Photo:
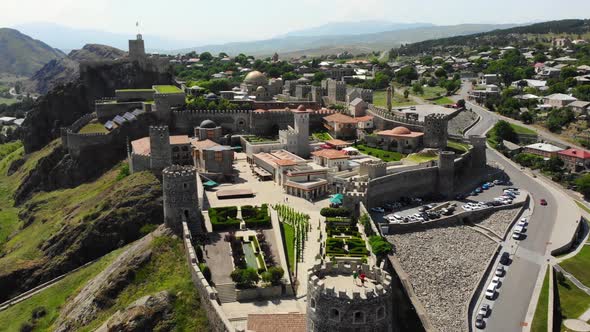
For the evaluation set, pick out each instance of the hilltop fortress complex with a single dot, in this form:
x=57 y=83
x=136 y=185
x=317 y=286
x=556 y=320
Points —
x=184 y=147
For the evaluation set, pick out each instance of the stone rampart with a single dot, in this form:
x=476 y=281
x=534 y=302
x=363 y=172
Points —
x=81 y=122
x=383 y=120
x=234 y=121
x=218 y=321
x=418 y=183
x=108 y=110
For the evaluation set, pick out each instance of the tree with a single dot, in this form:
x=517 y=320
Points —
x=440 y=73
x=406 y=94
x=245 y=278
x=417 y=89
x=461 y=103
x=504 y=131
x=205 y=56
x=583 y=184
x=526 y=117
x=406 y=75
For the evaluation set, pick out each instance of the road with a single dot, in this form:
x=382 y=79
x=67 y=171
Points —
x=510 y=308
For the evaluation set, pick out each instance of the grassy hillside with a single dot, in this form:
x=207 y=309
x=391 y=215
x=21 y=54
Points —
x=167 y=270
x=23 y=55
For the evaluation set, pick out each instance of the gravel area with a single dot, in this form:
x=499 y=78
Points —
x=499 y=221
x=444 y=266
x=461 y=121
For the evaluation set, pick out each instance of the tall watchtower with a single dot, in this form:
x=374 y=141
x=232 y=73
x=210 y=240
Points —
x=181 y=198
x=160 y=152
x=435 y=131
x=446 y=173
x=302 y=129
x=137 y=48
x=478 y=154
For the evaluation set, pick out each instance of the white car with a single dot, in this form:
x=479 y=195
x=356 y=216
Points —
x=519 y=229
x=522 y=223
x=397 y=216
x=516 y=236
x=496 y=281
x=467 y=207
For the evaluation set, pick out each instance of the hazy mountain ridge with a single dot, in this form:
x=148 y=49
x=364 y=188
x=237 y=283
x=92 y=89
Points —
x=23 y=55
x=374 y=41
x=355 y=28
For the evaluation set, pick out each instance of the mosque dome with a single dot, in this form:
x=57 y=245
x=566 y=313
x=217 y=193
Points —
x=256 y=78
x=211 y=96
x=208 y=124
x=301 y=108
x=401 y=131
x=260 y=89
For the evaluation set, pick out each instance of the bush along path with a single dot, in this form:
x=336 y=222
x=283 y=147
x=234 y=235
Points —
x=300 y=224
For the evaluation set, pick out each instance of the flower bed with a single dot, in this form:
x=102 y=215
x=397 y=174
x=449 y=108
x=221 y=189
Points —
x=255 y=216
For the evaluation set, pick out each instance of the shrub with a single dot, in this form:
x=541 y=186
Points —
x=123 y=171
x=256 y=216
x=39 y=312
x=27 y=327
x=224 y=218
x=276 y=273
x=206 y=271
x=334 y=212
x=379 y=245
x=245 y=278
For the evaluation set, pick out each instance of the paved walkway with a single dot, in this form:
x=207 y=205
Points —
x=219 y=258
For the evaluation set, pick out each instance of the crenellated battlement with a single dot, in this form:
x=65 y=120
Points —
x=385 y=114
x=178 y=172
x=207 y=112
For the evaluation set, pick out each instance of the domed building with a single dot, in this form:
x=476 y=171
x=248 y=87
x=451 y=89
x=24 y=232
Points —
x=400 y=139
x=257 y=85
x=208 y=130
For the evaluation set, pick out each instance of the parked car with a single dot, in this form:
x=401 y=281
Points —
x=490 y=292
x=422 y=209
x=378 y=209
x=516 y=235
x=543 y=202
x=478 y=190
x=519 y=229
x=500 y=271
x=522 y=222
x=505 y=258
x=496 y=280
x=484 y=310
x=479 y=322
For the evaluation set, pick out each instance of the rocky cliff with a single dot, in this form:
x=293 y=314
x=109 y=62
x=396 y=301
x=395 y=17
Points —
x=66 y=70
x=66 y=103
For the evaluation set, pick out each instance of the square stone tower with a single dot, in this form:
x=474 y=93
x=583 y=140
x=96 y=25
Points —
x=137 y=49
x=160 y=152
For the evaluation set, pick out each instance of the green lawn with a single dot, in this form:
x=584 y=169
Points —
x=540 y=319
x=289 y=234
x=93 y=128
x=421 y=158
x=579 y=265
x=322 y=136
x=52 y=298
x=430 y=92
x=522 y=130
x=583 y=206
x=8 y=101
x=135 y=90
x=443 y=101
x=167 y=89
x=459 y=146
x=573 y=301
x=380 y=99
x=9 y=221
x=381 y=154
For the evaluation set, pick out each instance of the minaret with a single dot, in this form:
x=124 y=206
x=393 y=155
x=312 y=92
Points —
x=389 y=97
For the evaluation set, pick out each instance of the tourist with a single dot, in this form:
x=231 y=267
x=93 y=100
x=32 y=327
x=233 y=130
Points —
x=354 y=276
x=363 y=276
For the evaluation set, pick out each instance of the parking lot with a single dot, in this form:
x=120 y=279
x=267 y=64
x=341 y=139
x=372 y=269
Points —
x=413 y=209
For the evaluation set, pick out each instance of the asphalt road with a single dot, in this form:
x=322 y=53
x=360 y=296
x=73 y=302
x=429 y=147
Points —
x=510 y=307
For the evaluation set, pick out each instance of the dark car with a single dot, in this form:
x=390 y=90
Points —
x=479 y=322
x=543 y=202
x=505 y=258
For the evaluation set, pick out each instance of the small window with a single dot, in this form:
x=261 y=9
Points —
x=380 y=313
x=335 y=315
x=185 y=185
x=313 y=303
x=359 y=317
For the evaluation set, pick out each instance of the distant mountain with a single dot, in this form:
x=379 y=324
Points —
x=502 y=37
x=66 y=70
x=23 y=55
x=67 y=39
x=355 y=28
x=326 y=44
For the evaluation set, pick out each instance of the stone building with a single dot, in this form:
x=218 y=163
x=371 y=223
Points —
x=257 y=84
x=209 y=130
x=137 y=49
x=159 y=150
x=335 y=90
x=436 y=131
x=399 y=139
x=213 y=160
x=181 y=198
x=336 y=303
x=296 y=139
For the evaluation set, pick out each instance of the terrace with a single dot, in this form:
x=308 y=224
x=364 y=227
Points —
x=167 y=89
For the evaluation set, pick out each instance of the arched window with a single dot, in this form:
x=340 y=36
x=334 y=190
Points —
x=359 y=317
x=380 y=313
x=312 y=303
x=335 y=314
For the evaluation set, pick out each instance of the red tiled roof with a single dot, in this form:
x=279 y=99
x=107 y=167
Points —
x=400 y=132
x=330 y=154
x=576 y=153
x=337 y=142
x=284 y=162
x=204 y=144
x=291 y=322
x=179 y=139
x=141 y=146
x=340 y=118
x=364 y=118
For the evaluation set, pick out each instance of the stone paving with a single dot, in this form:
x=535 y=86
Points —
x=444 y=266
x=461 y=121
x=499 y=221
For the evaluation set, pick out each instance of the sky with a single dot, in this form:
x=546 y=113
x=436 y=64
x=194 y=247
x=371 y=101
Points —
x=207 y=21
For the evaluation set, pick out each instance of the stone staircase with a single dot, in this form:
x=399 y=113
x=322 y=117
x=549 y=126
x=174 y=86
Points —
x=226 y=293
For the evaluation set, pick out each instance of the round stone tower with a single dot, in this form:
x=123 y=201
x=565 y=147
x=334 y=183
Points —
x=335 y=303
x=160 y=152
x=181 y=198
x=435 y=131
x=478 y=153
x=446 y=173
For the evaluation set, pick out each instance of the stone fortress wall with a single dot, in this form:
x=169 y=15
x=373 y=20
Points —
x=106 y=110
x=350 y=308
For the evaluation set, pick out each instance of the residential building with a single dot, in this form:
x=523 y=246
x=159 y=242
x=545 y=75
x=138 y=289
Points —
x=558 y=100
x=575 y=160
x=335 y=160
x=579 y=106
x=544 y=150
